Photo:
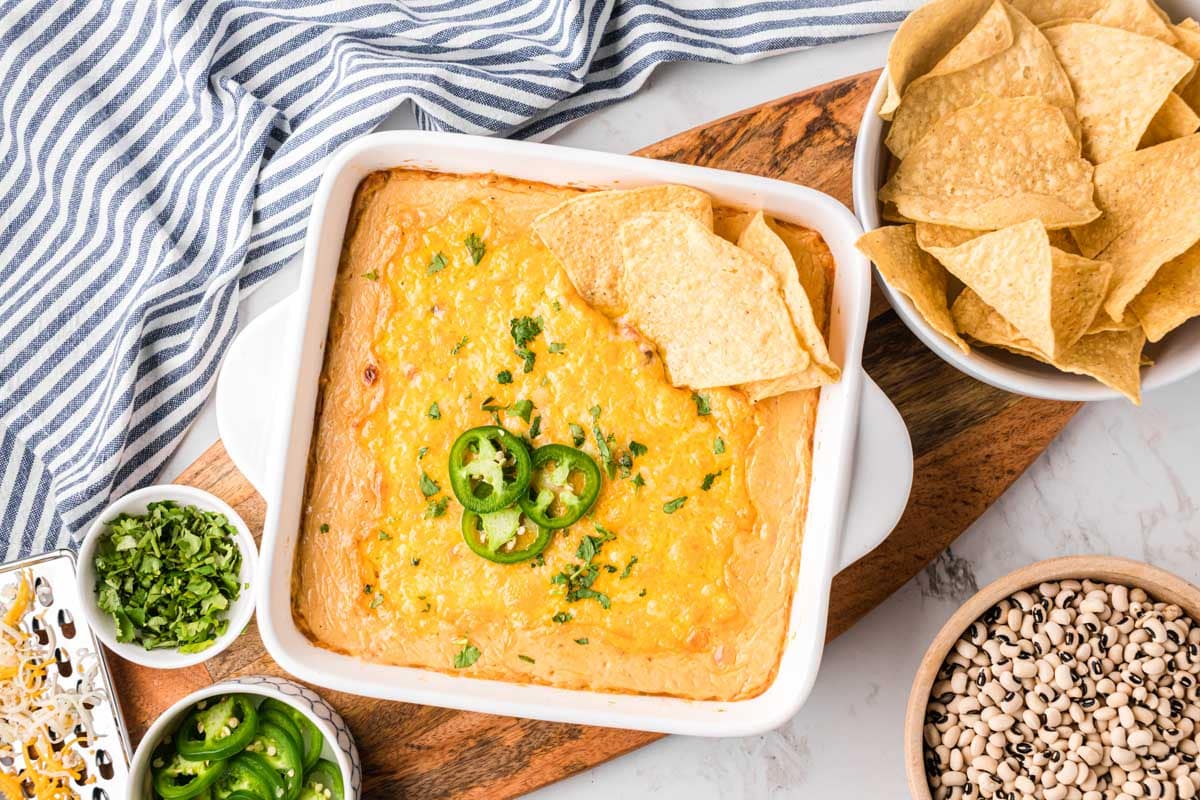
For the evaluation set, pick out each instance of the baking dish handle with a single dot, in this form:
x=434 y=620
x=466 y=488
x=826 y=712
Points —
x=248 y=392
x=883 y=472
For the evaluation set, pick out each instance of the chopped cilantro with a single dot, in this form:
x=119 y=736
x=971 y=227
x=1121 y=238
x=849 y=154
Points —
x=535 y=430
x=460 y=345
x=467 y=656
x=368 y=588
x=638 y=449
x=563 y=616
x=702 y=407
x=524 y=329
x=168 y=576
x=719 y=445
x=642 y=593
x=602 y=443
x=581 y=641
x=595 y=412
x=526 y=659
x=709 y=478
x=377 y=600
x=503 y=376
x=436 y=508
x=557 y=347
x=434 y=411
x=475 y=248
x=577 y=434
x=371 y=276
x=625 y=462
x=384 y=536
x=609 y=568
x=324 y=527
x=674 y=505
x=629 y=567
x=422 y=452
x=489 y=404
x=429 y=487
x=522 y=409
x=437 y=264
x=557 y=306
x=529 y=357
x=416 y=562
x=638 y=481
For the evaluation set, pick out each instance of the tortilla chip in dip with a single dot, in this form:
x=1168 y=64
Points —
x=914 y=273
x=582 y=234
x=923 y=39
x=1172 y=297
x=1151 y=213
x=760 y=241
x=1115 y=112
x=1051 y=297
x=1027 y=68
x=1136 y=16
x=995 y=164
x=1113 y=357
x=1174 y=120
x=734 y=327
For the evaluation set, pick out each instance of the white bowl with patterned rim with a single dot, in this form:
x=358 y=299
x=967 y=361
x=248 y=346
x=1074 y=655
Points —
x=339 y=742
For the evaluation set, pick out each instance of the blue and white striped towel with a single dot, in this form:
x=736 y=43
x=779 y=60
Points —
x=159 y=156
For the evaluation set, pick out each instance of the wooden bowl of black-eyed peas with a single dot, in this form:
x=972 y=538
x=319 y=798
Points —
x=1071 y=679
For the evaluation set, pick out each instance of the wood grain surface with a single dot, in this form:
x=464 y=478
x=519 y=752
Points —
x=970 y=442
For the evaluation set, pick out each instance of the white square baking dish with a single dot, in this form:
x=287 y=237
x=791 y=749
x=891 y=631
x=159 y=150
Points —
x=267 y=394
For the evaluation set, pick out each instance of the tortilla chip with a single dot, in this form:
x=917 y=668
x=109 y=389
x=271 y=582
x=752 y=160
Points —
x=1041 y=12
x=728 y=223
x=923 y=39
x=914 y=273
x=762 y=242
x=992 y=34
x=582 y=234
x=1174 y=120
x=1051 y=297
x=814 y=264
x=1136 y=16
x=1027 y=68
x=891 y=214
x=1172 y=297
x=930 y=235
x=995 y=164
x=715 y=312
x=1114 y=357
x=1151 y=213
x=1120 y=79
x=1103 y=322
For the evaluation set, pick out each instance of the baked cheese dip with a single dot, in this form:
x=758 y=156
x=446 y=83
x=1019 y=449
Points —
x=564 y=437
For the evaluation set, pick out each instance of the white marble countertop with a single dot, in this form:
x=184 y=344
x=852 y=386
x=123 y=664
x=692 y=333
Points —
x=1119 y=480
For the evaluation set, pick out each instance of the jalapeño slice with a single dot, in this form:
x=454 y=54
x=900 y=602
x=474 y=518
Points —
x=176 y=778
x=489 y=469
x=565 y=483
x=505 y=536
x=250 y=774
x=277 y=747
x=217 y=730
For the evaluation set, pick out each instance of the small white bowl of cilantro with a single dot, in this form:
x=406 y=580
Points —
x=165 y=574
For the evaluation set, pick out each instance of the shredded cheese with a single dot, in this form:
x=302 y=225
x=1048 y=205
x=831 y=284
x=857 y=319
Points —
x=35 y=710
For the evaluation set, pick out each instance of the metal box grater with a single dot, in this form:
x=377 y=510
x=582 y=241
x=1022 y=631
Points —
x=57 y=603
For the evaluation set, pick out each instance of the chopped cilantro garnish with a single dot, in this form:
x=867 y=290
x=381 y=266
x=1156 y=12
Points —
x=709 y=478
x=535 y=430
x=368 y=588
x=503 y=376
x=595 y=412
x=674 y=505
x=522 y=409
x=629 y=567
x=436 y=508
x=421 y=452
x=557 y=347
x=429 y=487
x=529 y=357
x=377 y=600
x=489 y=404
x=702 y=407
x=625 y=462
x=577 y=434
x=563 y=616
x=460 y=345
x=642 y=593
x=475 y=247
x=638 y=481
x=416 y=562
x=371 y=276
x=524 y=329
x=719 y=445
x=384 y=536
x=526 y=659
x=603 y=444
x=434 y=411
x=168 y=576
x=437 y=264
x=467 y=656
x=324 y=527
x=638 y=449
x=581 y=641
x=609 y=568
x=557 y=306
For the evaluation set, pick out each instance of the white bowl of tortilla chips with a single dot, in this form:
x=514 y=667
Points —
x=1028 y=174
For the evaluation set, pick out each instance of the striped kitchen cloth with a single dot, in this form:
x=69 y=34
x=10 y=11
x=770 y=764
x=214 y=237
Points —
x=159 y=157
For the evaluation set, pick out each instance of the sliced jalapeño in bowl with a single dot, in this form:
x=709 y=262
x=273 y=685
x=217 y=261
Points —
x=506 y=536
x=490 y=469
x=217 y=731
x=565 y=484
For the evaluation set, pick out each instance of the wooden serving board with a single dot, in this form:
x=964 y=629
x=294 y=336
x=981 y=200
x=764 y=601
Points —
x=970 y=442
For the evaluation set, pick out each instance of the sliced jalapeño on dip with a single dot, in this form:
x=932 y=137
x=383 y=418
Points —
x=489 y=469
x=565 y=484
